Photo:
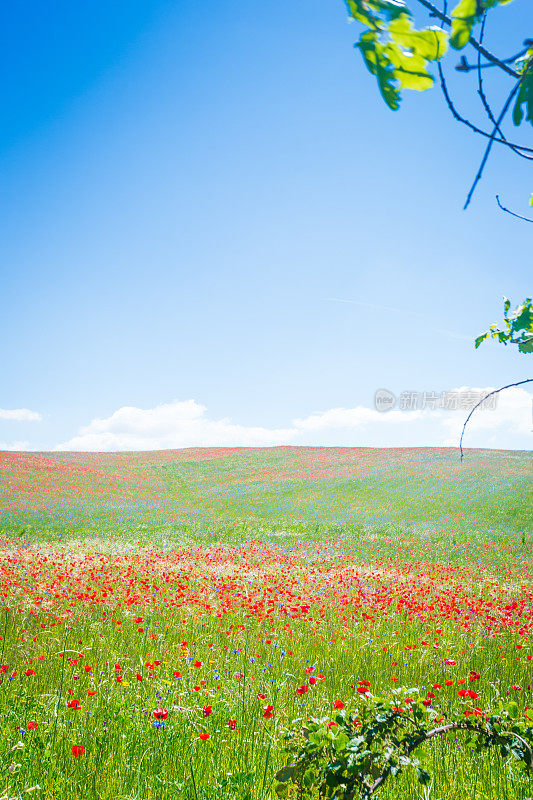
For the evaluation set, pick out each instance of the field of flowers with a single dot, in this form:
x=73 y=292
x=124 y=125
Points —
x=161 y=628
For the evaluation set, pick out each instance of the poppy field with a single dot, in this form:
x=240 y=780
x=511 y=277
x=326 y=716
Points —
x=167 y=618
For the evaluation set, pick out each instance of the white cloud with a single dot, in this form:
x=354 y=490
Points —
x=185 y=424
x=20 y=415
x=172 y=425
x=14 y=446
x=512 y=416
x=354 y=418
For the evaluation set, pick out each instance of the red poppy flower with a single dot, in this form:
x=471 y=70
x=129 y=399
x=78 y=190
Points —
x=29 y=672
x=338 y=704
x=74 y=704
x=232 y=723
x=207 y=710
x=268 y=711
x=32 y=725
x=77 y=750
x=204 y=736
x=160 y=713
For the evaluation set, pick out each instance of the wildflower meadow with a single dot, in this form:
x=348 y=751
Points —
x=196 y=624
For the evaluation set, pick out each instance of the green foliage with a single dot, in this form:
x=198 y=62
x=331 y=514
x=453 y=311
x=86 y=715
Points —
x=356 y=752
x=525 y=93
x=393 y=50
x=399 y=54
x=467 y=14
x=518 y=327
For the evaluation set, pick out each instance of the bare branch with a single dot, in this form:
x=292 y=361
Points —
x=467 y=122
x=486 y=154
x=481 y=93
x=512 y=213
x=508 y=386
x=464 y=66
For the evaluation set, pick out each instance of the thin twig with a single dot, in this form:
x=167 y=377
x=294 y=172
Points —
x=495 y=391
x=488 y=148
x=481 y=93
x=484 y=52
x=512 y=213
x=467 y=122
x=464 y=66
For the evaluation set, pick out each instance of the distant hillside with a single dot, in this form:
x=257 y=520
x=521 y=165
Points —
x=322 y=485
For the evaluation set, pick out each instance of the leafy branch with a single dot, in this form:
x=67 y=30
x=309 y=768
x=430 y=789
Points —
x=517 y=328
x=354 y=754
x=399 y=54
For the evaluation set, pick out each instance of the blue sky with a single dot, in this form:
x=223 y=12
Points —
x=209 y=215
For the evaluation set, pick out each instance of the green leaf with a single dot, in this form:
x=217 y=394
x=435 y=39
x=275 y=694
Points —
x=512 y=708
x=430 y=43
x=410 y=70
x=506 y=306
x=525 y=93
x=423 y=776
x=481 y=339
x=361 y=13
x=464 y=17
x=392 y=8
x=527 y=346
x=284 y=774
x=380 y=65
x=368 y=11
x=309 y=778
x=340 y=741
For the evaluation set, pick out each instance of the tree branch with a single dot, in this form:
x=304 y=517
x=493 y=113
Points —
x=508 y=386
x=464 y=66
x=512 y=213
x=484 y=52
x=467 y=122
x=486 y=154
x=451 y=726
x=481 y=93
